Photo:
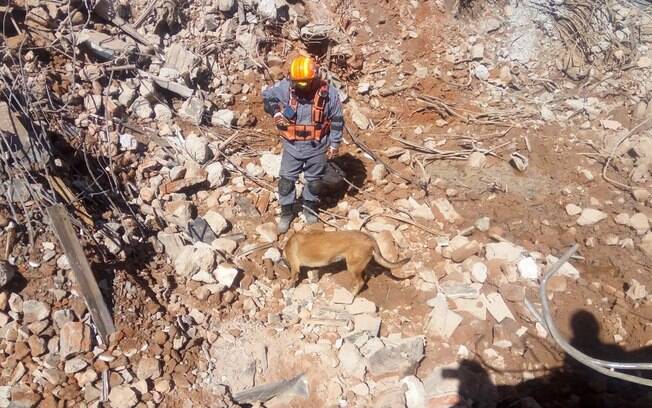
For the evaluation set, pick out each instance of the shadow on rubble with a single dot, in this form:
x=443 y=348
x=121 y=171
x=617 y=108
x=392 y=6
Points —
x=345 y=166
x=572 y=385
x=96 y=188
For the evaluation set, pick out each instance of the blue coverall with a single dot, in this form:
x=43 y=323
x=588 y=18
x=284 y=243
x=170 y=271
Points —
x=306 y=156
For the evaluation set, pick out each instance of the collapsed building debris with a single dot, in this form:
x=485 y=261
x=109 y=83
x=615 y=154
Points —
x=467 y=149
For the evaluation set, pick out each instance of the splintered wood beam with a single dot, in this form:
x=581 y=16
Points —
x=82 y=271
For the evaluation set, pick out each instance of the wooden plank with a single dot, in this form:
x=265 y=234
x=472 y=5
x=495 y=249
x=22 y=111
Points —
x=81 y=270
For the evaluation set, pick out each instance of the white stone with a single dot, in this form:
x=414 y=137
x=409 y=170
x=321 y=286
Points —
x=481 y=72
x=197 y=148
x=442 y=321
x=420 y=210
x=477 y=160
x=184 y=264
x=62 y=263
x=271 y=164
x=482 y=224
x=93 y=103
x=636 y=291
x=226 y=274
x=360 y=389
x=216 y=221
x=34 y=311
x=267 y=232
x=216 y=174
x=74 y=366
x=479 y=272
x=566 y=269
x=446 y=209
x=368 y=323
x=254 y=170
x=640 y=223
x=360 y=120
x=547 y=114
x=498 y=308
x=223 y=245
x=272 y=254
x=193 y=109
x=363 y=88
x=528 y=268
x=223 y=117
x=122 y=396
x=415 y=392
x=475 y=307
x=503 y=250
x=361 y=305
x=162 y=112
x=573 y=210
x=351 y=361
x=128 y=142
x=622 y=219
x=342 y=296
x=267 y=9
x=590 y=216
x=142 y=108
x=225 y=5
x=378 y=173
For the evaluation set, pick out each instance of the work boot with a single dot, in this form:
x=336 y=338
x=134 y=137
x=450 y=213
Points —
x=311 y=218
x=287 y=215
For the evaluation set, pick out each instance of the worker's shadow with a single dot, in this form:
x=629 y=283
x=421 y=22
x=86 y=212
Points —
x=570 y=385
x=345 y=175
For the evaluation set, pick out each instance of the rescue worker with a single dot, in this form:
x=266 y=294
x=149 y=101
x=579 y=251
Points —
x=308 y=112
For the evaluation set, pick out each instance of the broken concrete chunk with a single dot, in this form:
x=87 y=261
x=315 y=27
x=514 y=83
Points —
x=415 y=393
x=498 y=308
x=361 y=305
x=475 y=307
x=184 y=264
x=217 y=222
x=447 y=211
x=197 y=148
x=342 y=296
x=193 y=109
x=442 y=322
x=148 y=368
x=172 y=243
x=223 y=117
x=122 y=396
x=103 y=45
x=591 y=216
x=566 y=269
x=34 y=311
x=267 y=232
x=351 y=361
x=271 y=164
x=367 y=323
x=7 y=272
x=180 y=59
x=397 y=359
x=226 y=274
x=503 y=250
x=142 y=108
x=74 y=338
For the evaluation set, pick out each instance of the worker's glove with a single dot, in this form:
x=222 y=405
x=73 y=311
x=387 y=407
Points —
x=280 y=121
x=332 y=152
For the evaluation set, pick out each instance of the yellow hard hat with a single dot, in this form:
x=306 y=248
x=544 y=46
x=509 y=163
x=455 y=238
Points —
x=303 y=70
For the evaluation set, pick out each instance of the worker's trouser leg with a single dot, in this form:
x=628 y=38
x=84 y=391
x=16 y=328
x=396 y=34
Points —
x=313 y=169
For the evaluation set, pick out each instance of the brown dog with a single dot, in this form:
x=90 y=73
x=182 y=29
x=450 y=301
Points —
x=317 y=248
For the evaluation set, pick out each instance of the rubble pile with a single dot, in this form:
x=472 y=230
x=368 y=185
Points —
x=481 y=147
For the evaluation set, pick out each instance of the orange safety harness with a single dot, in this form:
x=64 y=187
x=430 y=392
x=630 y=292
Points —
x=320 y=124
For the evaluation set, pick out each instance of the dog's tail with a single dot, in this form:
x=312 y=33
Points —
x=380 y=260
